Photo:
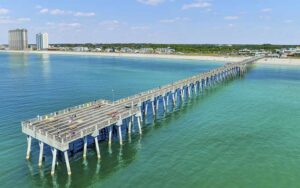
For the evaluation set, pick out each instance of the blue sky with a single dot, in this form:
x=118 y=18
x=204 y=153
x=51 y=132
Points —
x=155 y=21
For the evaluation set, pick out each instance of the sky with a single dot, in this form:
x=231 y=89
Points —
x=154 y=21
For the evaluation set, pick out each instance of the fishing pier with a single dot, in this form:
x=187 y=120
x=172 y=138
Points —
x=101 y=120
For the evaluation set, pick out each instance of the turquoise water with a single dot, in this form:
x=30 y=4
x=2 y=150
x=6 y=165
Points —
x=244 y=133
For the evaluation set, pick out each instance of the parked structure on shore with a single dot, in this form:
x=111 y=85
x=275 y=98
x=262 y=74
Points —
x=18 y=39
x=101 y=120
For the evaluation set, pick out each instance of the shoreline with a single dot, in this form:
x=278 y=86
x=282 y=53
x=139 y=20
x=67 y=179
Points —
x=111 y=54
x=233 y=59
x=279 y=61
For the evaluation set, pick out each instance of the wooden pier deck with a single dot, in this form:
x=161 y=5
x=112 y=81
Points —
x=61 y=128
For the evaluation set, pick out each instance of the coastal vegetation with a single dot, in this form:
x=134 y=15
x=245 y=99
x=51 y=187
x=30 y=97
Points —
x=186 y=48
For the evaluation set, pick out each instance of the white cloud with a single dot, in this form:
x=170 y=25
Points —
x=5 y=20
x=266 y=10
x=84 y=14
x=110 y=24
x=139 y=28
x=4 y=11
x=266 y=18
x=63 y=24
x=24 y=19
x=151 y=2
x=231 y=17
x=57 y=12
x=75 y=24
x=60 y=12
x=44 y=10
x=10 y=20
x=173 y=20
x=197 y=4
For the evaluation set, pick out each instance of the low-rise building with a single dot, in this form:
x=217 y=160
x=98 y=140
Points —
x=96 y=50
x=108 y=50
x=146 y=50
x=164 y=50
x=80 y=49
x=2 y=47
x=126 y=50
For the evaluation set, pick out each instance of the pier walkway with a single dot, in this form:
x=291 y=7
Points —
x=60 y=129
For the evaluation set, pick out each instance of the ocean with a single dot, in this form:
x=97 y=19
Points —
x=243 y=133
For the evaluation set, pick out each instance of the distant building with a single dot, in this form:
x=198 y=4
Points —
x=2 y=47
x=32 y=46
x=126 y=50
x=96 y=50
x=42 y=41
x=164 y=50
x=18 y=39
x=81 y=49
x=146 y=50
x=109 y=50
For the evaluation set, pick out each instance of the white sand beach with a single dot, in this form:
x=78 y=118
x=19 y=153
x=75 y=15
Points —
x=187 y=57
x=279 y=61
x=270 y=61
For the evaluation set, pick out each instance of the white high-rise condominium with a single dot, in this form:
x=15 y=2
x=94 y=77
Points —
x=18 y=39
x=42 y=41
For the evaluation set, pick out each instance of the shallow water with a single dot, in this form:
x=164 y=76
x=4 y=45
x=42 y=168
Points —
x=244 y=133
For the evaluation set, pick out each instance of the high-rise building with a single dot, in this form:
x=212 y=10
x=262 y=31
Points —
x=18 y=39
x=42 y=41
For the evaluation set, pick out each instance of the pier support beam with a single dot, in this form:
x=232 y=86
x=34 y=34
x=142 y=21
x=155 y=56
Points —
x=130 y=125
x=173 y=98
x=141 y=112
x=29 y=139
x=167 y=104
x=164 y=103
x=84 y=147
x=146 y=109
x=157 y=104
x=120 y=135
x=153 y=107
x=97 y=147
x=139 y=124
x=119 y=124
x=41 y=144
x=67 y=162
x=54 y=153
x=110 y=134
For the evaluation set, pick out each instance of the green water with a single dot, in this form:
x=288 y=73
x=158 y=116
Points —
x=244 y=133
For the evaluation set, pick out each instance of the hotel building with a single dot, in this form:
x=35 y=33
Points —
x=42 y=41
x=18 y=39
